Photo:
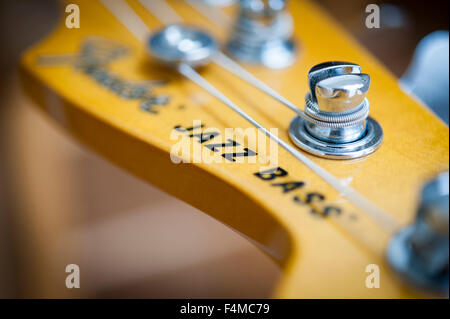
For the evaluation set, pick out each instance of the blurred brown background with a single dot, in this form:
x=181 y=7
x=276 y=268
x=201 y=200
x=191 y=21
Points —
x=130 y=239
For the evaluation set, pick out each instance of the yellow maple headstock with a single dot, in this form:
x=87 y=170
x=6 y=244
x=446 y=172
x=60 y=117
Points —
x=322 y=241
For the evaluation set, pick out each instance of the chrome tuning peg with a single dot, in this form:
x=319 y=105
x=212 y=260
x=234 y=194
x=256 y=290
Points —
x=335 y=122
x=419 y=253
x=262 y=34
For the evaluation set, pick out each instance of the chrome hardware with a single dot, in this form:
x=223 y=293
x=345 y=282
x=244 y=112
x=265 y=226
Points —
x=180 y=44
x=262 y=33
x=335 y=123
x=419 y=253
x=427 y=77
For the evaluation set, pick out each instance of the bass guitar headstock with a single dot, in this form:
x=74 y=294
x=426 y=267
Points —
x=208 y=104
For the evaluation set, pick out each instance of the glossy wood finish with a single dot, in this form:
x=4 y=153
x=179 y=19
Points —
x=320 y=256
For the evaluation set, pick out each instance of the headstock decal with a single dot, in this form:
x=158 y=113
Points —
x=94 y=58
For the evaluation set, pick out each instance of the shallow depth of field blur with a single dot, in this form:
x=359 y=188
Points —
x=60 y=203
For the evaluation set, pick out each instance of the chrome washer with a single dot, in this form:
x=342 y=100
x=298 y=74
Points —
x=362 y=147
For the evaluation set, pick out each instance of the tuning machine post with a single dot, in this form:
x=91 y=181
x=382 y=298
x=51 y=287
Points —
x=262 y=34
x=336 y=122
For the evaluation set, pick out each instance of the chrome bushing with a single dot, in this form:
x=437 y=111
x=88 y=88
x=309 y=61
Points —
x=262 y=34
